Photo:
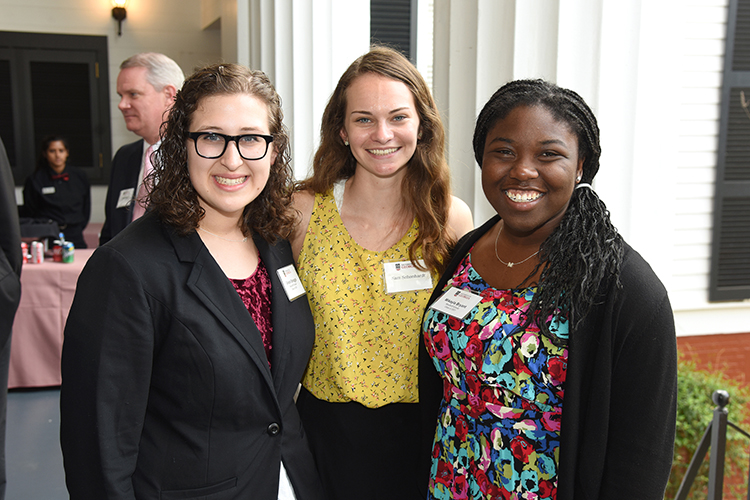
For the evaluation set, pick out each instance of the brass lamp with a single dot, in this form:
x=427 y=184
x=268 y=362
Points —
x=119 y=13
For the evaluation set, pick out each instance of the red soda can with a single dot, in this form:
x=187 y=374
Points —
x=25 y=251
x=57 y=252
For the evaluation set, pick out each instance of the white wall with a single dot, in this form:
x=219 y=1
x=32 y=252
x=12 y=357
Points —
x=172 y=27
x=652 y=71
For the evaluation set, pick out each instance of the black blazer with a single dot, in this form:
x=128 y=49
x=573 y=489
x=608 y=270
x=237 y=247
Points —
x=126 y=165
x=166 y=390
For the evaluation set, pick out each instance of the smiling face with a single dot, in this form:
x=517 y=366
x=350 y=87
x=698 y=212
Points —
x=57 y=155
x=381 y=124
x=529 y=170
x=143 y=107
x=227 y=184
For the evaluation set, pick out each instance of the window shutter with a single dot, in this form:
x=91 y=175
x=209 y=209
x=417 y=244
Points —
x=392 y=23
x=730 y=246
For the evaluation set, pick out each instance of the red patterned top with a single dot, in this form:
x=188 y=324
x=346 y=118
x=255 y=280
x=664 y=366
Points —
x=255 y=292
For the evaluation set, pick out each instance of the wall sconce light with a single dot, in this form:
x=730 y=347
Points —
x=119 y=13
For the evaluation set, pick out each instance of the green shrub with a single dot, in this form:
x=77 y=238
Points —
x=694 y=413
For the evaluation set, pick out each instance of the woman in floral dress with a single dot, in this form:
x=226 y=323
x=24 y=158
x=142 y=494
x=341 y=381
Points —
x=553 y=339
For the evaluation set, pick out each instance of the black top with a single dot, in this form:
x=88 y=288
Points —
x=123 y=184
x=64 y=198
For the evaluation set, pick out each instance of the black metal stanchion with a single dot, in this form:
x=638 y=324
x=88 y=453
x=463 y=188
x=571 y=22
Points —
x=718 y=445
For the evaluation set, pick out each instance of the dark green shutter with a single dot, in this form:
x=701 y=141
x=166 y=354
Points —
x=392 y=23
x=730 y=247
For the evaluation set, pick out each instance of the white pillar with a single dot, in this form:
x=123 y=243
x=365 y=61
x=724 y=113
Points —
x=304 y=47
x=605 y=51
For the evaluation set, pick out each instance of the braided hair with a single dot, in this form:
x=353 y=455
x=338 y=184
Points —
x=585 y=250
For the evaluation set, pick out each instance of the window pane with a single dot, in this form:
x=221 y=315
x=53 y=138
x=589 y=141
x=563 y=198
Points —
x=62 y=106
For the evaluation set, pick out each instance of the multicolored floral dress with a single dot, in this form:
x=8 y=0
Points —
x=498 y=430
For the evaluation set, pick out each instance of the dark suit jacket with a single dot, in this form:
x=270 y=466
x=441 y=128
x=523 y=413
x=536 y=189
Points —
x=126 y=165
x=10 y=287
x=10 y=248
x=166 y=390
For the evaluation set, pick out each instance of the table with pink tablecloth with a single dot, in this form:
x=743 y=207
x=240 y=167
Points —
x=47 y=291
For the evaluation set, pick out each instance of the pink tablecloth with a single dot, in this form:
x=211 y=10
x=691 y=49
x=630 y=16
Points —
x=47 y=291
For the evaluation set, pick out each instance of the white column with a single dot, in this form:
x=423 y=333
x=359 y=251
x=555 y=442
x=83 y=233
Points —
x=304 y=47
x=653 y=205
x=455 y=69
x=536 y=39
x=618 y=78
x=614 y=54
x=496 y=42
x=479 y=46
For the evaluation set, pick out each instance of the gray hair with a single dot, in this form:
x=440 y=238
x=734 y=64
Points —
x=160 y=69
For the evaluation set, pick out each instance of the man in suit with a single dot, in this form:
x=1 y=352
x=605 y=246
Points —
x=10 y=287
x=147 y=84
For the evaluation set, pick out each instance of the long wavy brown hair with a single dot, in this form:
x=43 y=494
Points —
x=173 y=195
x=426 y=186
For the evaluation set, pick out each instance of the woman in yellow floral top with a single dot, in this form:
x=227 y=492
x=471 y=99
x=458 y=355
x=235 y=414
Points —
x=376 y=223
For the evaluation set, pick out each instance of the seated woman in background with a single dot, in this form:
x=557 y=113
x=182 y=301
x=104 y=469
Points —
x=184 y=347
x=555 y=340
x=58 y=192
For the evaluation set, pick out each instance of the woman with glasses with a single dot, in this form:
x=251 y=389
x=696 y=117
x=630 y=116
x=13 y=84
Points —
x=189 y=331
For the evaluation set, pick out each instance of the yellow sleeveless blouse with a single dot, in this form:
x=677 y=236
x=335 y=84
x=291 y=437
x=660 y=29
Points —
x=366 y=341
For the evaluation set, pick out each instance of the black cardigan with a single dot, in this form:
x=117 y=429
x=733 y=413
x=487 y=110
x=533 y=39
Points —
x=619 y=408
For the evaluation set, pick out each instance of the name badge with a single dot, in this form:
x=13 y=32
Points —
x=456 y=302
x=404 y=277
x=48 y=190
x=126 y=196
x=290 y=282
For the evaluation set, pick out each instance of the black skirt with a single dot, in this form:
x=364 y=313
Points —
x=364 y=453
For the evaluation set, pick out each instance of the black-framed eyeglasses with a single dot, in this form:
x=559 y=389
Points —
x=212 y=145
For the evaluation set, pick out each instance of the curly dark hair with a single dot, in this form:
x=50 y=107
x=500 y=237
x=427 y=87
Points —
x=426 y=186
x=584 y=250
x=173 y=196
